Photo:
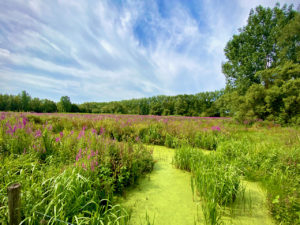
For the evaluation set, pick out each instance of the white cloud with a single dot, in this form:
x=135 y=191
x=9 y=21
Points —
x=90 y=51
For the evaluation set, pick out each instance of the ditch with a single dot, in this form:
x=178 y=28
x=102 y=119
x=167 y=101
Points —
x=165 y=197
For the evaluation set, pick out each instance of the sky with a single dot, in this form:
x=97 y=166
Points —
x=93 y=50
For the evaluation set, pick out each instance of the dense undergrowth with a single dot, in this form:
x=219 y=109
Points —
x=253 y=156
x=67 y=175
x=71 y=165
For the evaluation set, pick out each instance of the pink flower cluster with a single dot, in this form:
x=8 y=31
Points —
x=217 y=128
x=91 y=159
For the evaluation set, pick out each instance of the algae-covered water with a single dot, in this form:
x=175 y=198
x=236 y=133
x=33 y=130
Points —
x=165 y=197
x=250 y=208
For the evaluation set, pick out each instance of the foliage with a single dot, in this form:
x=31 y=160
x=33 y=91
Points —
x=66 y=174
x=256 y=47
x=263 y=68
x=64 y=105
x=216 y=182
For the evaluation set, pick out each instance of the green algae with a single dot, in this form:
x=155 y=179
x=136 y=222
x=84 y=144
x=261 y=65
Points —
x=165 y=197
x=250 y=207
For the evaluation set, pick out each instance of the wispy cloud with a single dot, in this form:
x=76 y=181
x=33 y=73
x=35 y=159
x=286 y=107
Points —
x=109 y=50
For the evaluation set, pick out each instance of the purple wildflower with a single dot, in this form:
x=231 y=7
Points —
x=38 y=133
x=72 y=132
x=102 y=130
x=81 y=134
x=216 y=128
x=92 y=166
x=24 y=121
x=2 y=115
x=78 y=156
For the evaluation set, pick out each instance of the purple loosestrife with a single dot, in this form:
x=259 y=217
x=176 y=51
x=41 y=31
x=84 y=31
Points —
x=28 y=130
x=78 y=156
x=2 y=116
x=11 y=130
x=24 y=121
x=38 y=133
x=81 y=134
x=217 y=128
x=102 y=130
x=93 y=165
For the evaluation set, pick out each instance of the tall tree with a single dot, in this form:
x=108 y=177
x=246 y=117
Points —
x=48 y=106
x=256 y=47
x=25 y=100
x=65 y=104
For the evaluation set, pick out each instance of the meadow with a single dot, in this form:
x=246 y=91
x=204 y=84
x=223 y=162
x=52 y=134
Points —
x=73 y=167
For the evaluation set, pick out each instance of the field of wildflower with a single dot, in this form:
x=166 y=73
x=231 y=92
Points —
x=72 y=166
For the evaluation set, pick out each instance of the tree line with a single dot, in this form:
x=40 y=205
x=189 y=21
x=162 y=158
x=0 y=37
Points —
x=262 y=71
x=23 y=102
x=201 y=104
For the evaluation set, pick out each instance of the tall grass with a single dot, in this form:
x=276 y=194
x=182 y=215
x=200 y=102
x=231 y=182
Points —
x=216 y=183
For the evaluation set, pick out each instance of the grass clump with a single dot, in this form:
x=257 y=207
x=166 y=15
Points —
x=216 y=183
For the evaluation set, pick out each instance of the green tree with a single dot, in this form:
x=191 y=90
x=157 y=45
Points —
x=36 y=105
x=156 y=109
x=64 y=104
x=75 y=108
x=181 y=105
x=289 y=41
x=25 y=101
x=48 y=106
x=255 y=48
x=291 y=101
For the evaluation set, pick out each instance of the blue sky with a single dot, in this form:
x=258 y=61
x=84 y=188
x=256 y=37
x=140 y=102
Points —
x=114 y=50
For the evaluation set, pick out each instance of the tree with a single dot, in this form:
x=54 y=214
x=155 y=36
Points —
x=65 y=104
x=289 y=41
x=75 y=108
x=36 y=105
x=256 y=48
x=181 y=105
x=48 y=106
x=25 y=100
